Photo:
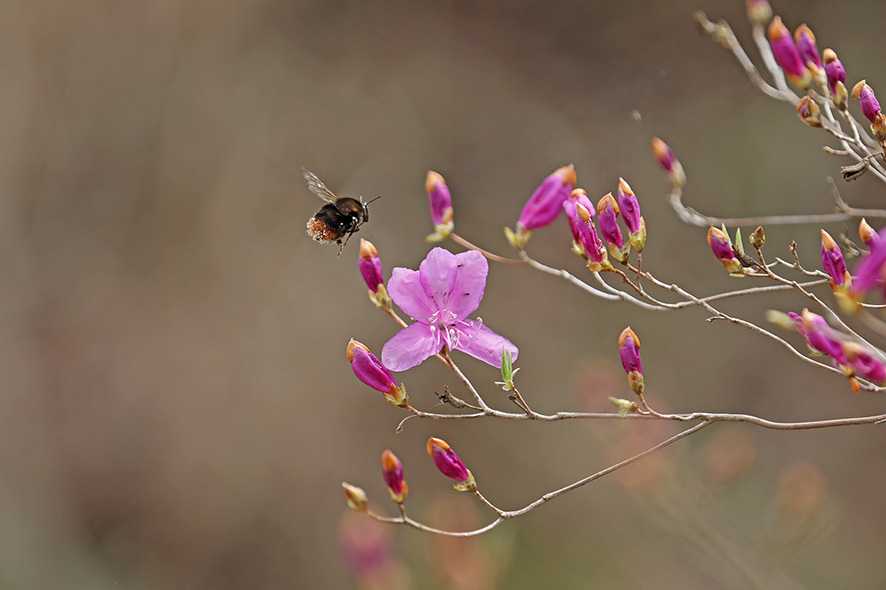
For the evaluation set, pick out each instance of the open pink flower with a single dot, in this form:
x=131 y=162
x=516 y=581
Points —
x=440 y=296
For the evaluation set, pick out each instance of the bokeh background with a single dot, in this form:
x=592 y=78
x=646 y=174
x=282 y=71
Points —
x=177 y=410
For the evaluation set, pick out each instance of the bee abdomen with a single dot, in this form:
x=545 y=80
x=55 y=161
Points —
x=320 y=231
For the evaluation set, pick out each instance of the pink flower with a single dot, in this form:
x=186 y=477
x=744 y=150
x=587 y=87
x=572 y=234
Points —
x=440 y=296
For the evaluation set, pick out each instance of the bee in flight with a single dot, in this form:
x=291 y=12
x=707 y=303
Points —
x=339 y=218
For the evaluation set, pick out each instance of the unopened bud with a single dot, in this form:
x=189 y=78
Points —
x=630 y=212
x=867 y=233
x=607 y=216
x=666 y=158
x=448 y=463
x=373 y=373
x=441 y=206
x=870 y=108
x=392 y=471
x=758 y=238
x=721 y=246
x=356 y=497
x=809 y=112
x=785 y=52
x=629 y=351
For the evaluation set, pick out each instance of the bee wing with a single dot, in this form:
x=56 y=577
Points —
x=317 y=187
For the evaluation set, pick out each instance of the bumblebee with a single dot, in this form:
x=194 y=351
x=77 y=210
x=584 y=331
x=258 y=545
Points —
x=339 y=218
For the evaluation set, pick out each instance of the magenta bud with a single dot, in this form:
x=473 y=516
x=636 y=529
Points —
x=870 y=271
x=867 y=100
x=449 y=464
x=373 y=373
x=630 y=211
x=832 y=261
x=786 y=54
x=607 y=217
x=392 y=471
x=867 y=233
x=441 y=206
x=864 y=363
x=547 y=201
x=833 y=70
x=370 y=266
x=870 y=108
x=629 y=350
x=807 y=48
x=721 y=246
x=666 y=158
x=820 y=336
x=579 y=213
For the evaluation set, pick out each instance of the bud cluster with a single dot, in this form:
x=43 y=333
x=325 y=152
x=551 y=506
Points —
x=852 y=358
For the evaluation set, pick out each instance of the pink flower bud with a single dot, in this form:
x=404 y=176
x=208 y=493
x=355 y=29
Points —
x=807 y=48
x=547 y=201
x=833 y=69
x=629 y=349
x=630 y=211
x=722 y=249
x=870 y=108
x=370 y=371
x=832 y=261
x=370 y=266
x=449 y=464
x=819 y=335
x=864 y=363
x=392 y=471
x=809 y=112
x=666 y=158
x=786 y=55
x=870 y=271
x=607 y=214
x=579 y=212
x=356 y=497
x=441 y=206
x=867 y=233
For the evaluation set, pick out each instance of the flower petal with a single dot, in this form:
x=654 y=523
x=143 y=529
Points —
x=482 y=343
x=410 y=346
x=469 y=284
x=454 y=282
x=407 y=292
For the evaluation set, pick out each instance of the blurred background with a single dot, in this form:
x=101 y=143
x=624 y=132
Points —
x=177 y=409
